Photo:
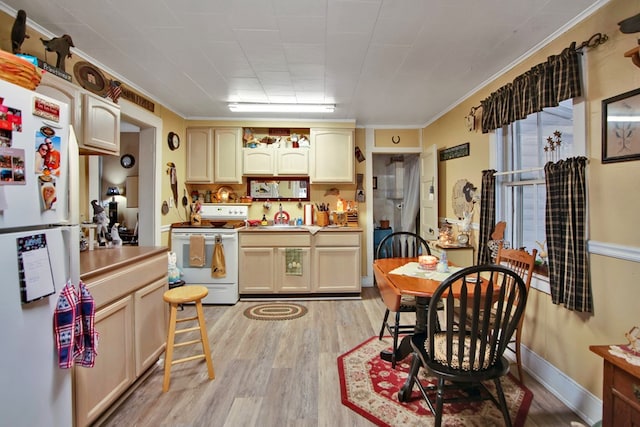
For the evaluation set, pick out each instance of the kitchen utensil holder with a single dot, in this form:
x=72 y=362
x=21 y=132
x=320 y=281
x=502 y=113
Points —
x=322 y=218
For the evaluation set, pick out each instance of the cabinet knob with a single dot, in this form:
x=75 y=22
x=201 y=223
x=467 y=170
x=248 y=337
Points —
x=636 y=392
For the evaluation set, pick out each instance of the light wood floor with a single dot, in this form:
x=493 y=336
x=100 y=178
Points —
x=278 y=373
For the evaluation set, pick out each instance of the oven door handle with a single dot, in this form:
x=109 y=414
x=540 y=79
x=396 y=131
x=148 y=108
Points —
x=207 y=236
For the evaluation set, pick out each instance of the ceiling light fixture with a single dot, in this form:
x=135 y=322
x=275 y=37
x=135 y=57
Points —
x=240 y=107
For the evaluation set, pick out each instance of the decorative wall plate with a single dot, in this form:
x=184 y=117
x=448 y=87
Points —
x=90 y=78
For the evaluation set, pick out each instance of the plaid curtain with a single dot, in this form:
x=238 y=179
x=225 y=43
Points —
x=487 y=214
x=544 y=85
x=565 y=213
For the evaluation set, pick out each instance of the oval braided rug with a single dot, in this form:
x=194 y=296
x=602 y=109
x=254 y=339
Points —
x=275 y=311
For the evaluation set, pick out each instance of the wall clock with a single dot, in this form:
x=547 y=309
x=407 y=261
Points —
x=173 y=140
x=127 y=161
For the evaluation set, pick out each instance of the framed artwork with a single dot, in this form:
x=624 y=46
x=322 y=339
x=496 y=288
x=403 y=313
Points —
x=621 y=127
x=375 y=182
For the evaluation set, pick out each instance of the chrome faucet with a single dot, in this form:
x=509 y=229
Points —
x=280 y=215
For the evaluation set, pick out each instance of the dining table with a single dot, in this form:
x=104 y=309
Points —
x=420 y=286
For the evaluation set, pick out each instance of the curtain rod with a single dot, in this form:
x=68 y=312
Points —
x=595 y=40
x=518 y=171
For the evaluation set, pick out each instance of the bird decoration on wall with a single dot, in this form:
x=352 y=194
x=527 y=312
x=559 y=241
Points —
x=630 y=25
x=19 y=31
x=61 y=46
x=173 y=179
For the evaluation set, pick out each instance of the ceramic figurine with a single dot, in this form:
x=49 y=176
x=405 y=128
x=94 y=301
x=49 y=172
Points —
x=61 y=46
x=115 y=236
x=19 y=31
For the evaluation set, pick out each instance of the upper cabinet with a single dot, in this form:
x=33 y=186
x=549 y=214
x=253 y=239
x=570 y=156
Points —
x=397 y=138
x=214 y=155
x=275 y=151
x=227 y=156
x=95 y=120
x=332 y=156
x=199 y=155
x=101 y=125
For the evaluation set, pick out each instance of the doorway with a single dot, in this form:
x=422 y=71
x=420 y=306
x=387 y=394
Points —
x=396 y=191
x=149 y=171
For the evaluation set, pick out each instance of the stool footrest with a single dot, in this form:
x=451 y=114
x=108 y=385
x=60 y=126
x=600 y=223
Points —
x=189 y=359
x=182 y=331
x=187 y=319
x=182 y=344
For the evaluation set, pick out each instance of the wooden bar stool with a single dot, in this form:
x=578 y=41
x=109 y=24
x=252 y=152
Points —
x=176 y=297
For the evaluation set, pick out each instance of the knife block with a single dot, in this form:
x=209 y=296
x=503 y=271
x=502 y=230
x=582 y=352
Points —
x=322 y=218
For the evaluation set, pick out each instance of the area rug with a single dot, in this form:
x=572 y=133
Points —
x=275 y=311
x=370 y=387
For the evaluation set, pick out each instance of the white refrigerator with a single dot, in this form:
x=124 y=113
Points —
x=39 y=252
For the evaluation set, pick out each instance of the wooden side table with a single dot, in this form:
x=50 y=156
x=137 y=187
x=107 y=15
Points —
x=620 y=390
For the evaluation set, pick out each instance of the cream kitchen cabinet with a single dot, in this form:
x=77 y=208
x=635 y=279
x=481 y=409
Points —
x=100 y=125
x=275 y=161
x=332 y=156
x=199 y=168
x=336 y=261
x=264 y=262
x=227 y=156
x=127 y=284
x=95 y=120
x=397 y=138
x=214 y=155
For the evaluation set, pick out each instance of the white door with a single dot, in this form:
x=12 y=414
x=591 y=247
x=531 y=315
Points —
x=429 y=193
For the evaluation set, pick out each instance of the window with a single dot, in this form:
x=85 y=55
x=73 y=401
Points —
x=521 y=156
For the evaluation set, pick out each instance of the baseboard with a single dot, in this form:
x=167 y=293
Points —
x=569 y=392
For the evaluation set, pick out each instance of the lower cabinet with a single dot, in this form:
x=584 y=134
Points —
x=272 y=262
x=294 y=262
x=337 y=262
x=131 y=319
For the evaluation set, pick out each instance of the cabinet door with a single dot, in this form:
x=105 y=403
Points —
x=101 y=124
x=150 y=313
x=97 y=388
x=337 y=269
x=256 y=270
x=227 y=155
x=68 y=93
x=258 y=161
x=292 y=161
x=290 y=278
x=332 y=155
x=199 y=155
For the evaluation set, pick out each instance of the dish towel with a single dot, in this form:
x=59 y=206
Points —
x=88 y=336
x=196 y=250
x=65 y=326
x=293 y=259
x=218 y=267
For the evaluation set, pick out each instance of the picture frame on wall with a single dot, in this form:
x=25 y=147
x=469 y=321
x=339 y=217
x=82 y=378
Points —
x=621 y=127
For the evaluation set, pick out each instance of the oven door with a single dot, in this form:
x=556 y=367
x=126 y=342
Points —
x=202 y=275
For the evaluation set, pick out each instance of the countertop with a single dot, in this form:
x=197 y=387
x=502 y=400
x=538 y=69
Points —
x=99 y=261
x=299 y=228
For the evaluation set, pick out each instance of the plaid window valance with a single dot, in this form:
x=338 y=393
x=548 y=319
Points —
x=544 y=85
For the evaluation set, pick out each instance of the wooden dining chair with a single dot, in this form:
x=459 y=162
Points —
x=522 y=262
x=401 y=244
x=461 y=355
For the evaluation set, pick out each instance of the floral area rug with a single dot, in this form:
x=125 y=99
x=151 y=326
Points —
x=370 y=387
x=275 y=311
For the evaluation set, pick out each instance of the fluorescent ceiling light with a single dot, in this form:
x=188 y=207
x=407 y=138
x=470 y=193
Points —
x=241 y=107
x=623 y=118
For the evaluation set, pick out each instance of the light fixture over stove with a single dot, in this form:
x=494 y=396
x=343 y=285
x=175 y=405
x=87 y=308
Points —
x=242 y=107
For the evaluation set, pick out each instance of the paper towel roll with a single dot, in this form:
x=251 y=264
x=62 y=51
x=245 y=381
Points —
x=308 y=214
